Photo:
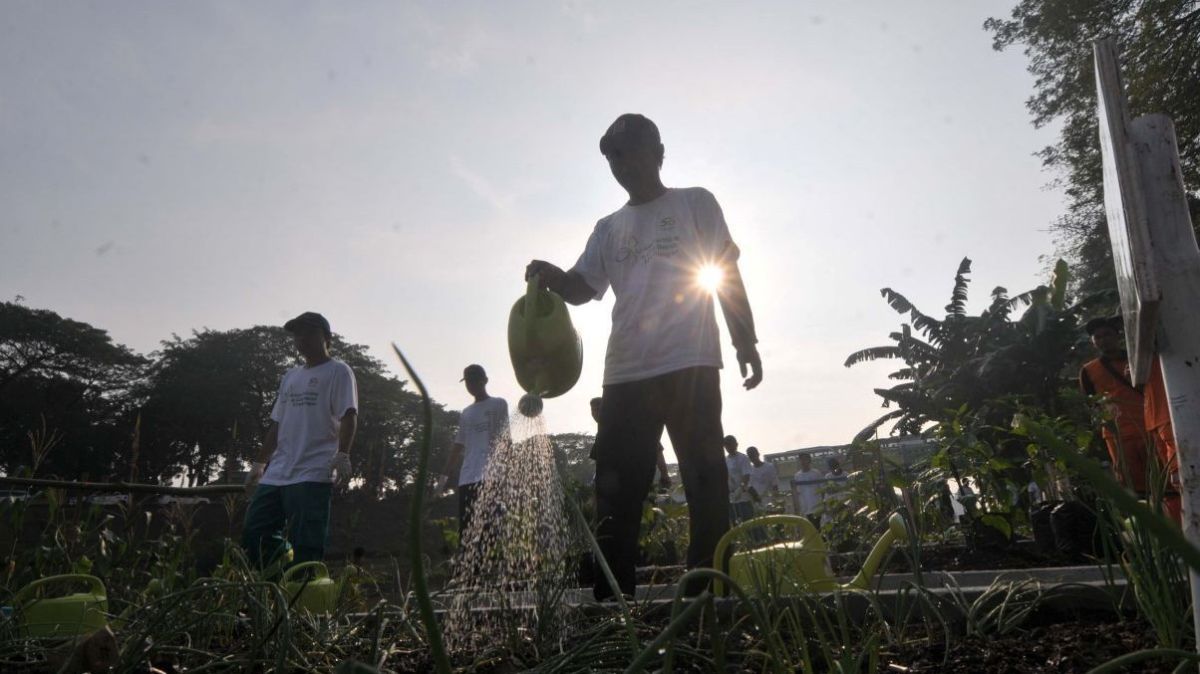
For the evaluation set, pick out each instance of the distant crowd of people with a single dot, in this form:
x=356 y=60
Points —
x=754 y=486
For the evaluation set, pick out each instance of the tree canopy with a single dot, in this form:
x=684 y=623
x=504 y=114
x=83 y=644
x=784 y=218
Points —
x=62 y=383
x=1159 y=42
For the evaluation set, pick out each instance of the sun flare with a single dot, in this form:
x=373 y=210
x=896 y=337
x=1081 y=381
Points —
x=709 y=277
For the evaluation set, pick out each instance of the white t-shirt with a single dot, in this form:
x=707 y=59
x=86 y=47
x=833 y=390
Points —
x=764 y=478
x=806 y=491
x=738 y=465
x=480 y=427
x=309 y=410
x=663 y=320
x=835 y=488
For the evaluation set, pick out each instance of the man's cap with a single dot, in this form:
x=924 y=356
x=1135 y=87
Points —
x=473 y=372
x=629 y=130
x=1114 y=322
x=308 y=319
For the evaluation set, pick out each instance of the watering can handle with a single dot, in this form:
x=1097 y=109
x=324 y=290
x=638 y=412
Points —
x=322 y=571
x=809 y=533
x=531 y=297
x=533 y=291
x=97 y=586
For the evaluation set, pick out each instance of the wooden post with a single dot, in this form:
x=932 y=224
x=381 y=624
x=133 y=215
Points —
x=1157 y=263
x=1177 y=262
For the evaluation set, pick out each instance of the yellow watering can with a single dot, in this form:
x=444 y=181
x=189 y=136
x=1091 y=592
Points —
x=546 y=353
x=63 y=616
x=794 y=567
x=318 y=594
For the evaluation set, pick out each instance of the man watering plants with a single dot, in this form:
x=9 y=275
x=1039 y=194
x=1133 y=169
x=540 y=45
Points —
x=665 y=253
x=1108 y=376
x=306 y=448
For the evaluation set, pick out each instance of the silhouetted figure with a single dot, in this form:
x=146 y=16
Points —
x=664 y=357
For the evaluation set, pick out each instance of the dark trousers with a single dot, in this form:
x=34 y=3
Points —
x=741 y=511
x=467 y=493
x=300 y=510
x=632 y=417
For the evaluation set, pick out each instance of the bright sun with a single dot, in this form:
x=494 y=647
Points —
x=709 y=277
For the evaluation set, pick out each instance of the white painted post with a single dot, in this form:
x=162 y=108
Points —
x=1177 y=263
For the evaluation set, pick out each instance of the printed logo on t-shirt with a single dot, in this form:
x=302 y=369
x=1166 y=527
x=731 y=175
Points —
x=665 y=244
x=304 y=398
x=635 y=253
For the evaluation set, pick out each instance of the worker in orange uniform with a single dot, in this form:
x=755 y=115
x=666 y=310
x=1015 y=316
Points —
x=1109 y=376
x=1162 y=434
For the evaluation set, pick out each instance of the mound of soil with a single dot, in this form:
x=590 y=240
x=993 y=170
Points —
x=1064 y=648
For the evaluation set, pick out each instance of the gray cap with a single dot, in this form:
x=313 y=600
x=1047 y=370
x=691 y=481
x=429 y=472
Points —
x=473 y=372
x=308 y=319
x=629 y=130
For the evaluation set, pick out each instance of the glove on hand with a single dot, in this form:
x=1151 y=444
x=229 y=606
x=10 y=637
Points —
x=254 y=475
x=441 y=485
x=339 y=468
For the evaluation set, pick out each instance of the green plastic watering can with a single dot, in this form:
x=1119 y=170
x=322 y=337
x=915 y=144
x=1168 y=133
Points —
x=318 y=594
x=546 y=353
x=796 y=567
x=65 y=615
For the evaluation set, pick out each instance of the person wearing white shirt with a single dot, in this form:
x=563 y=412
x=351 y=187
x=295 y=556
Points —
x=666 y=253
x=306 y=448
x=482 y=425
x=741 y=506
x=806 y=489
x=835 y=490
x=764 y=477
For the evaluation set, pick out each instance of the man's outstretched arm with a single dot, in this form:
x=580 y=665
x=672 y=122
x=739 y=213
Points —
x=568 y=284
x=735 y=305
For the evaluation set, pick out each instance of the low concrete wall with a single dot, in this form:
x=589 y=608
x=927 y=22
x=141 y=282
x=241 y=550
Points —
x=379 y=526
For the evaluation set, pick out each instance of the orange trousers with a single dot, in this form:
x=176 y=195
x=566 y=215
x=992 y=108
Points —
x=1164 y=440
x=1128 y=459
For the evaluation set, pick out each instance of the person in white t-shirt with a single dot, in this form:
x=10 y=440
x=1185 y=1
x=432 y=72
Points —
x=764 y=478
x=482 y=425
x=307 y=446
x=737 y=465
x=665 y=253
x=806 y=489
x=835 y=492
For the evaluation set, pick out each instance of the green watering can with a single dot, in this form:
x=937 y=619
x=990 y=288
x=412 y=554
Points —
x=796 y=567
x=63 y=616
x=546 y=353
x=318 y=594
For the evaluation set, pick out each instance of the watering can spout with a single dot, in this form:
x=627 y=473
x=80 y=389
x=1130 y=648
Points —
x=801 y=565
x=897 y=531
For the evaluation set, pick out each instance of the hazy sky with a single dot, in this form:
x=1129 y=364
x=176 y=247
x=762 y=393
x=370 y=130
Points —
x=395 y=166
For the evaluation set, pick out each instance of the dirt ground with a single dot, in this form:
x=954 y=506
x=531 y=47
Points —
x=1065 y=648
